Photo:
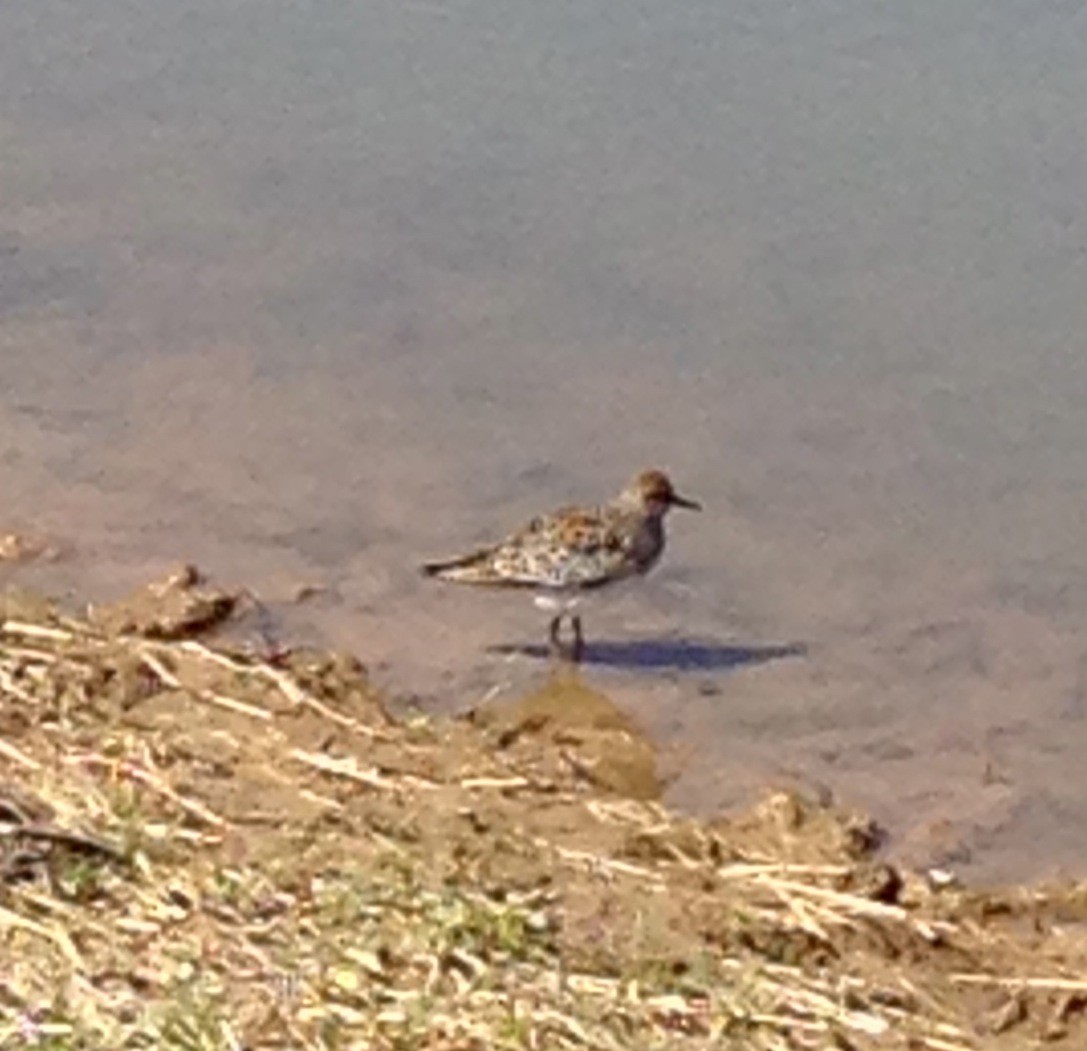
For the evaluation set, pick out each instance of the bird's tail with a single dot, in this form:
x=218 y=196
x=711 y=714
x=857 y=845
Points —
x=474 y=568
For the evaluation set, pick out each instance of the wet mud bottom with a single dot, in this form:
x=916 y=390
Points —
x=205 y=844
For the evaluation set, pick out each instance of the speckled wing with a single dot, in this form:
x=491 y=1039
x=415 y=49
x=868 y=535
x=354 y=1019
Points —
x=573 y=548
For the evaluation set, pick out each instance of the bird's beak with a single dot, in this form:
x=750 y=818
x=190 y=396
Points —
x=682 y=501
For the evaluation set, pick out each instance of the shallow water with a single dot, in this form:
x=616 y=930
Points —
x=305 y=295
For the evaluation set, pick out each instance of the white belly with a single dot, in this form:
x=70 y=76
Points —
x=556 y=601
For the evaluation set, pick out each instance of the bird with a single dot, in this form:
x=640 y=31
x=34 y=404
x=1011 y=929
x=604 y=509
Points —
x=573 y=550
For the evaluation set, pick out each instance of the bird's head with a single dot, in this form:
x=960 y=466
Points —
x=652 y=492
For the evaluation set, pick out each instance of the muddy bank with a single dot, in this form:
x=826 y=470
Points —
x=212 y=846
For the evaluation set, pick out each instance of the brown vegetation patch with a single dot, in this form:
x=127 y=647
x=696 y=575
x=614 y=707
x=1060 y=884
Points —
x=200 y=848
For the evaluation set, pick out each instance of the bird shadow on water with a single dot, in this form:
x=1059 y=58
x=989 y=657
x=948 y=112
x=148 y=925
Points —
x=668 y=654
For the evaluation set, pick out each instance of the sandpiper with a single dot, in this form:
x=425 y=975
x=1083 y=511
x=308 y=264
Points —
x=573 y=550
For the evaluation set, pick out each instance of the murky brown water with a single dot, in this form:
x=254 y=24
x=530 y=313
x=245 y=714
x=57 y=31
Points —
x=305 y=295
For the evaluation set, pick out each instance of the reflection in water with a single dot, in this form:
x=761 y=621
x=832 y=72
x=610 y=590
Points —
x=669 y=654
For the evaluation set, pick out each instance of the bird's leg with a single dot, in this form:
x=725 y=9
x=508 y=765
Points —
x=561 y=650
x=579 y=639
x=553 y=636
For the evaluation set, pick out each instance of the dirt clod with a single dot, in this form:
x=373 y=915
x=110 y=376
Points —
x=178 y=606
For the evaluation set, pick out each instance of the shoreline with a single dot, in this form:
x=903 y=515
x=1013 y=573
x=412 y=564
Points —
x=210 y=847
